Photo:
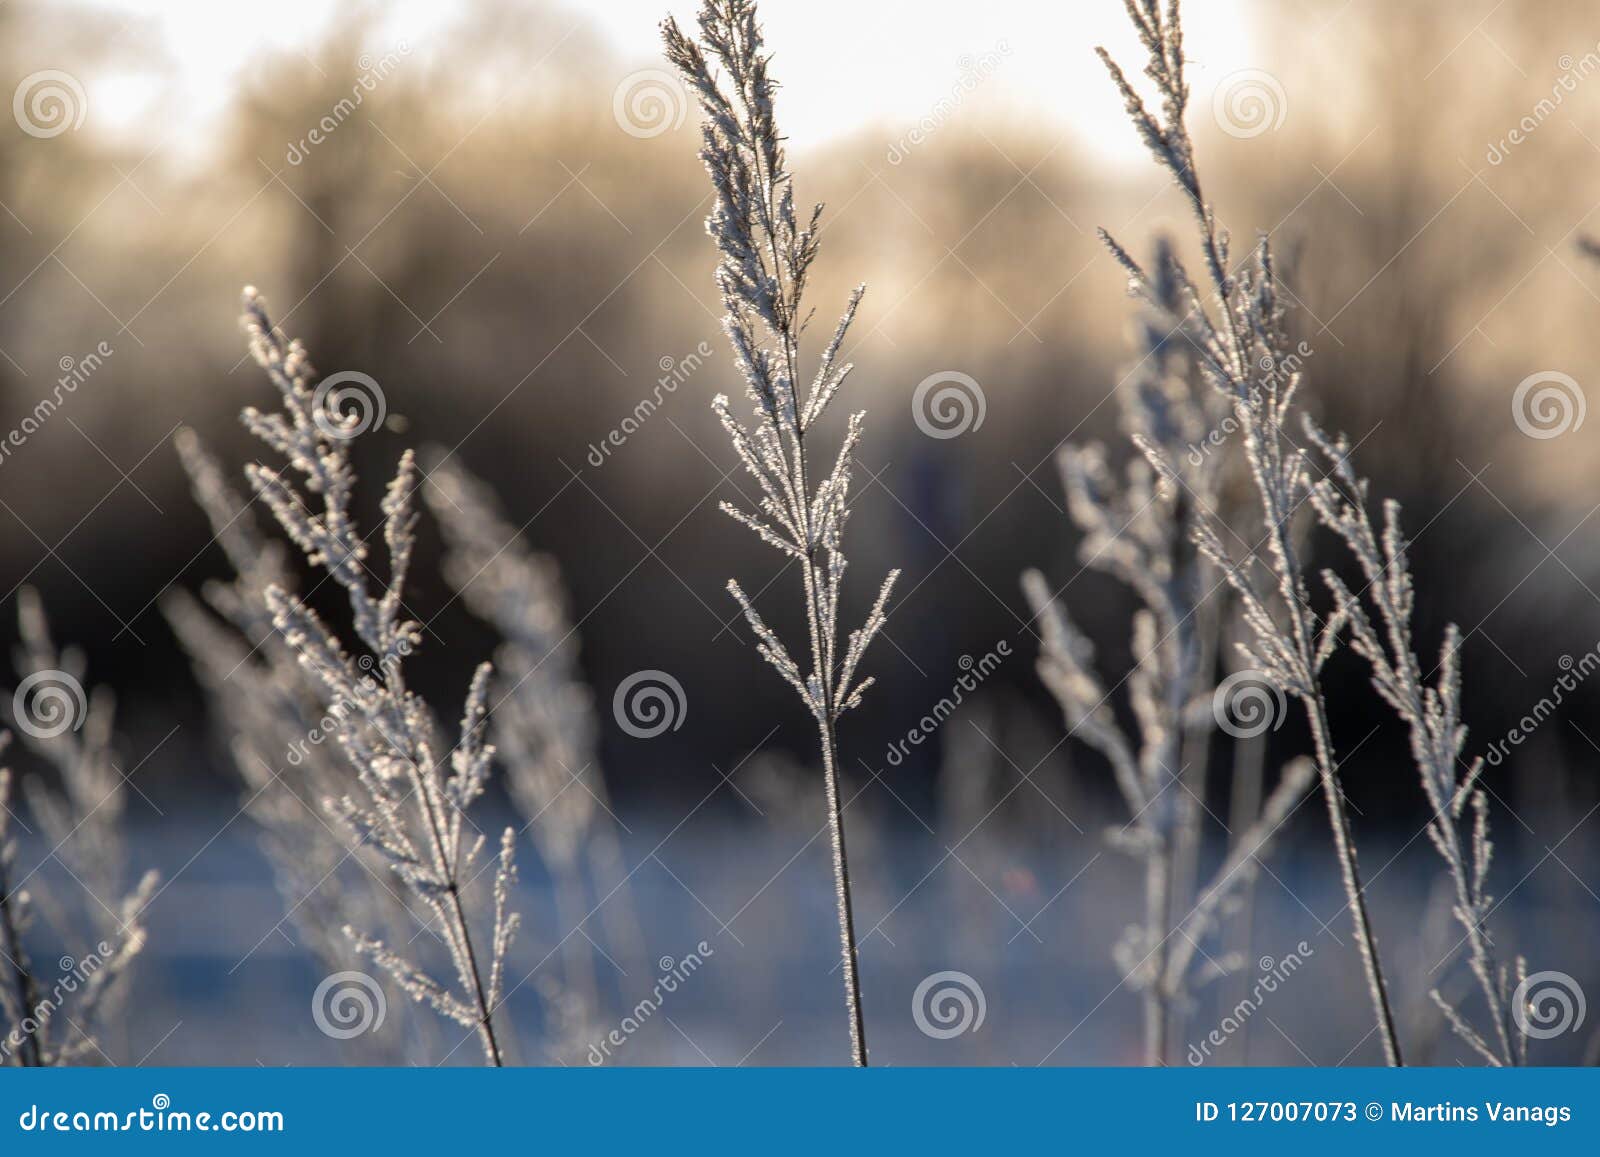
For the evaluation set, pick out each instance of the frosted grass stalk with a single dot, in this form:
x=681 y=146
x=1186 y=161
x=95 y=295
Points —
x=766 y=256
x=1250 y=333
x=409 y=810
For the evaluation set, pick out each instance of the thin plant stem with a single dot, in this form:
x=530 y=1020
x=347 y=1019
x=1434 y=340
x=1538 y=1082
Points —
x=841 y=877
x=1249 y=764
x=1156 y=1000
x=1344 y=848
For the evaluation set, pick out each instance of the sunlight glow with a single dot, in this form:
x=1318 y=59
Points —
x=848 y=66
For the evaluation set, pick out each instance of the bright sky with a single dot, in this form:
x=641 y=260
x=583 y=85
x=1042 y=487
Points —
x=845 y=64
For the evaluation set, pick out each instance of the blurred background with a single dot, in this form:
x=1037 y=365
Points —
x=495 y=210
